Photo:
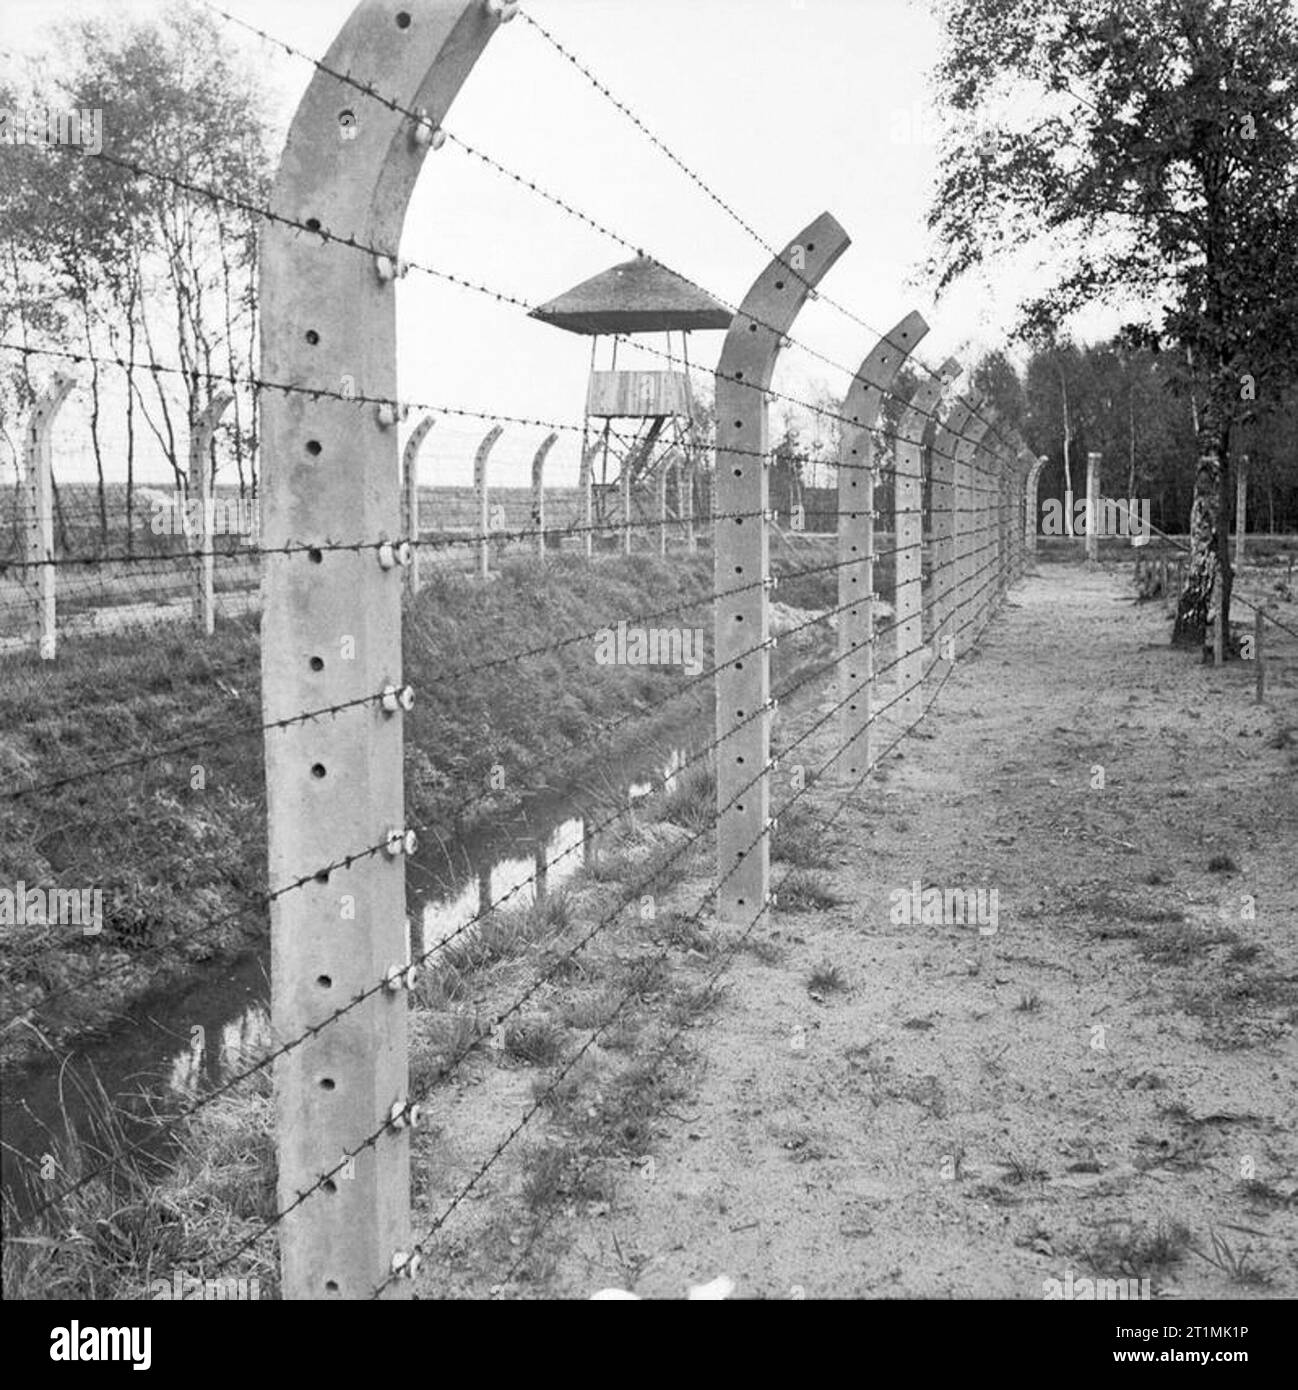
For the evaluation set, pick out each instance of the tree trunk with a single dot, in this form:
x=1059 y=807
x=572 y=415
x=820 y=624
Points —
x=1131 y=442
x=1208 y=569
x=83 y=299
x=1068 y=438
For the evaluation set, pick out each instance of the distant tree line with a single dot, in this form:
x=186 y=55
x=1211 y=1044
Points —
x=112 y=264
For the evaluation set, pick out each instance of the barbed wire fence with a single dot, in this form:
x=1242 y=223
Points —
x=338 y=559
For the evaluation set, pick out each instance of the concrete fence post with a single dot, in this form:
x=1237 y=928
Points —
x=483 y=496
x=1008 y=511
x=1021 y=461
x=741 y=542
x=331 y=636
x=995 y=464
x=968 y=549
x=1094 y=508
x=201 y=430
x=1026 y=463
x=538 y=491
x=988 y=494
x=39 y=460
x=1004 y=540
x=410 y=519
x=908 y=541
x=999 y=502
x=944 y=516
x=686 y=476
x=937 y=521
x=1030 y=503
x=862 y=408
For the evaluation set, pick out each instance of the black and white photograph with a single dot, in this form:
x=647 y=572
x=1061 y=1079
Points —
x=649 y=652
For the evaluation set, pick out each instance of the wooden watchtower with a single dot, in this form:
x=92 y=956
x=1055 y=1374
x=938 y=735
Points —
x=653 y=409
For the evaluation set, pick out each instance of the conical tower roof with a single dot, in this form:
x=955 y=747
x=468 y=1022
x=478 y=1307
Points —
x=638 y=296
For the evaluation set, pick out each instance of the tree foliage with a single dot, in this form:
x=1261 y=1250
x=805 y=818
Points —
x=119 y=265
x=1152 y=145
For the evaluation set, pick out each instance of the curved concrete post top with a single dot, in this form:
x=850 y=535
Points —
x=757 y=332
x=873 y=380
x=586 y=471
x=922 y=411
x=415 y=442
x=483 y=454
x=539 y=458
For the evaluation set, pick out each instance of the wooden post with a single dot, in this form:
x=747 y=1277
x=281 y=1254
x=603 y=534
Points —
x=483 y=496
x=1218 y=634
x=1258 y=623
x=538 y=492
x=741 y=541
x=687 y=502
x=41 y=581
x=664 y=470
x=858 y=468
x=331 y=636
x=626 y=503
x=410 y=520
x=201 y=430
x=584 y=486
x=1093 y=508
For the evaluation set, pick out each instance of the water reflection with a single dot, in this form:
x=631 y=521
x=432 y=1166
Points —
x=517 y=865
x=204 y=1063
x=187 y=1039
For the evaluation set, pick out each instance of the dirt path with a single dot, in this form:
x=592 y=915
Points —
x=1096 y=1087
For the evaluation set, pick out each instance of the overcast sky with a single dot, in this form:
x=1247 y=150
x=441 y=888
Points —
x=786 y=108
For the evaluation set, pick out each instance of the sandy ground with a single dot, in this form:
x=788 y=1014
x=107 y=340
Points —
x=1102 y=1086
